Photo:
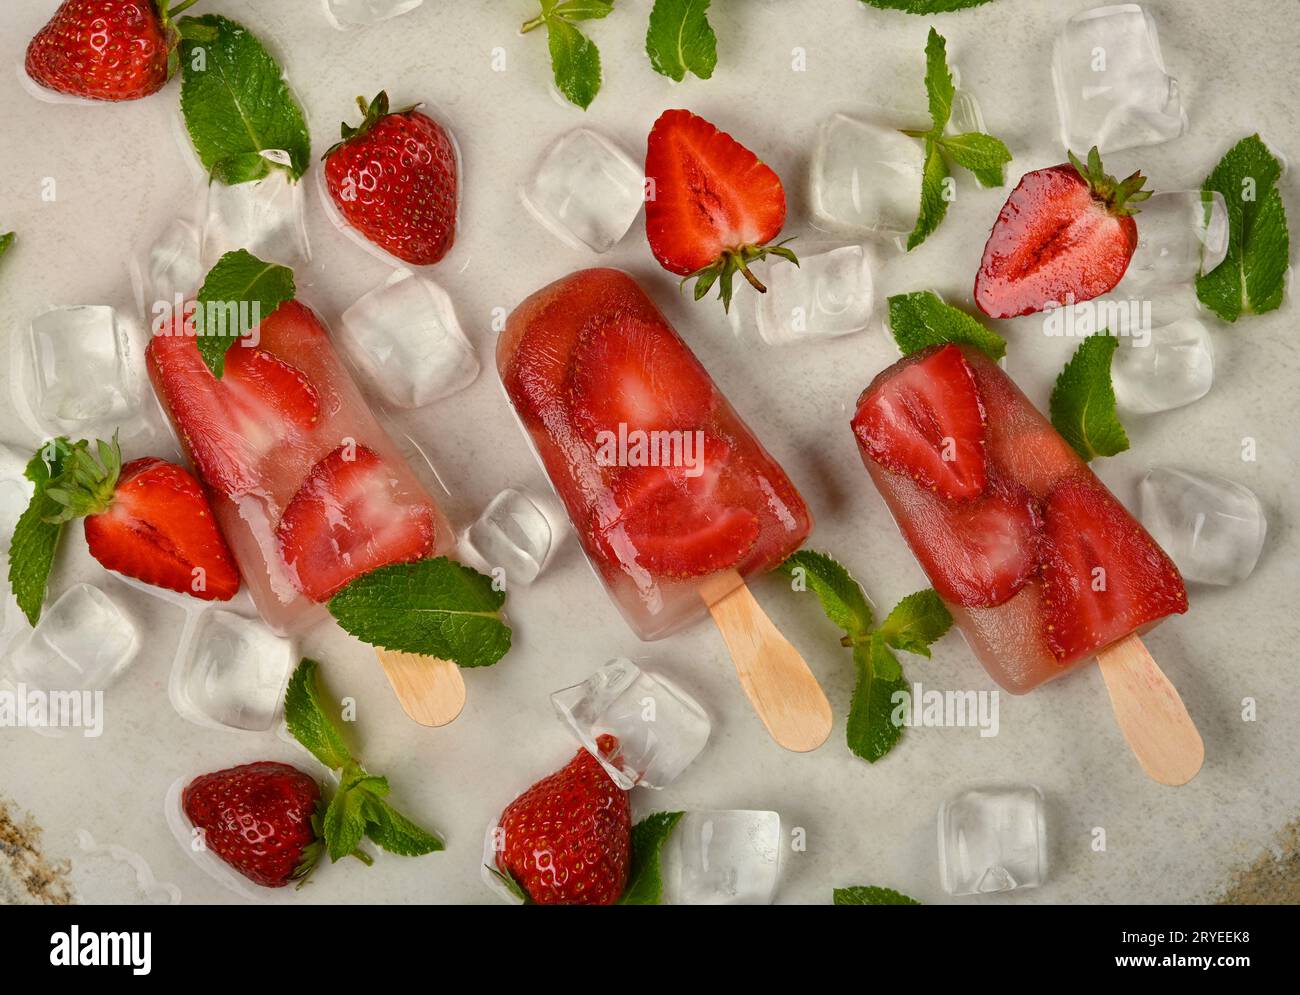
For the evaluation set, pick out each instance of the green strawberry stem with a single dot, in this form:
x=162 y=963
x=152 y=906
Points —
x=87 y=484
x=168 y=10
x=1119 y=196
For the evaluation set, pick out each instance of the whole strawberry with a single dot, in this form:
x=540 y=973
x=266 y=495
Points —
x=567 y=839
x=394 y=179
x=258 y=819
x=712 y=207
x=1065 y=235
x=106 y=49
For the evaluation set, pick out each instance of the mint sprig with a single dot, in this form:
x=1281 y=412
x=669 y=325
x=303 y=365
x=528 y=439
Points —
x=681 y=40
x=359 y=807
x=925 y=6
x=243 y=288
x=922 y=319
x=982 y=154
x=645 y=884
x=6 y=240
x=915 y=622
x=871 y=895
x=1252 y=278
x=1083 y=401
x=433 y=607
x=236 y=103
x=38 y=530
x=575 y=60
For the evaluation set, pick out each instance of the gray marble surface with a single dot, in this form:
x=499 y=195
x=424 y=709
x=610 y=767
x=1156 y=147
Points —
x=122 y=171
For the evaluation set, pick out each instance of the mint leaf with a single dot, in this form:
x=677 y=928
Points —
x=681 y=40
x=1083 y=401
x=983 y=155
x=396 y=833
x=645 y=884
x=916 y=621
x=840 y=595
x=575 y=60
x=344 y=823
x=934 y=205
x=433 y=607
x=922 y=319
x=308 y=720
x=6 y=240
x=240 y=290
x=36 y=540
x=236 y=103
x=1252 y=278
x=871 y=730
x=871 y=895
x=939 y=86
x=925 y=6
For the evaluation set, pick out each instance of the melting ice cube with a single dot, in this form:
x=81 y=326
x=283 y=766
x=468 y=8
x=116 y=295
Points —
x=659 y=727
x=1112 y=89
x=233 y=672
x=405 y=339
x=263 y=216
x=1213 y=528
x=514 y=534
x=723 y=858
x=344 y=14
x=866 y=178
x=170 y=266
x=1172 y=367
x=992 y=840
x=82 y=642
x=585 y=191
x=84 y=368
x=827 y=294
x=1181 y=233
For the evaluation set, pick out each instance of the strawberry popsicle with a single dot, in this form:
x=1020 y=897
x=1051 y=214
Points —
x=1038 y=562
x=672 y=497
x=308 y=489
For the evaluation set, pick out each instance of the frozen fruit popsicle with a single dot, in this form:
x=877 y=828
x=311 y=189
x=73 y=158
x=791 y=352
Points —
x=1040 y=565
x=672 y=497
x=307 y=487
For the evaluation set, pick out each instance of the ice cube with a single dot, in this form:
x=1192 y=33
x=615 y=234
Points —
x=82 y=642
x=344 y=14
x=404 y=338
x=233 y=672
x=1112 y=89
x=660 y=728
x=84 y=365
x=171 y=266
x=1213 y=528
x=515 y=534
x=866 y=178
x=992 y=839
x=1181 y=233
x=1172 y=366
x=723 y=858
x=585 y=191
x=826 y=295
x=263 y=216
x=15 y=493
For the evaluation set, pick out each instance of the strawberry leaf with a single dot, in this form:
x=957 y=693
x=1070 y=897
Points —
x=236 y=103
x=645 y=884
x=922 y=319
x=36 y=538
x=1252 y=277
x=238 y=292
x=434 y=607
x=1083 y=400
x=680 y=39
x=871 y=895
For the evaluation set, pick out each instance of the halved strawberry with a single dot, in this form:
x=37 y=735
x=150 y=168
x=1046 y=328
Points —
x=638 y=373
x=979 y=553
x=1066 y=234
x=349 y=517
x=924 y=418
x=672 y=524
x=228 y=425
x=1103 y=575
x=712 y=206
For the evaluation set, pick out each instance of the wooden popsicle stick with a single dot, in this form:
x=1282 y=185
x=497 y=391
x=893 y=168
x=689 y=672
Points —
x=431 y=691
x=773 y=675
x=1150 y=713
